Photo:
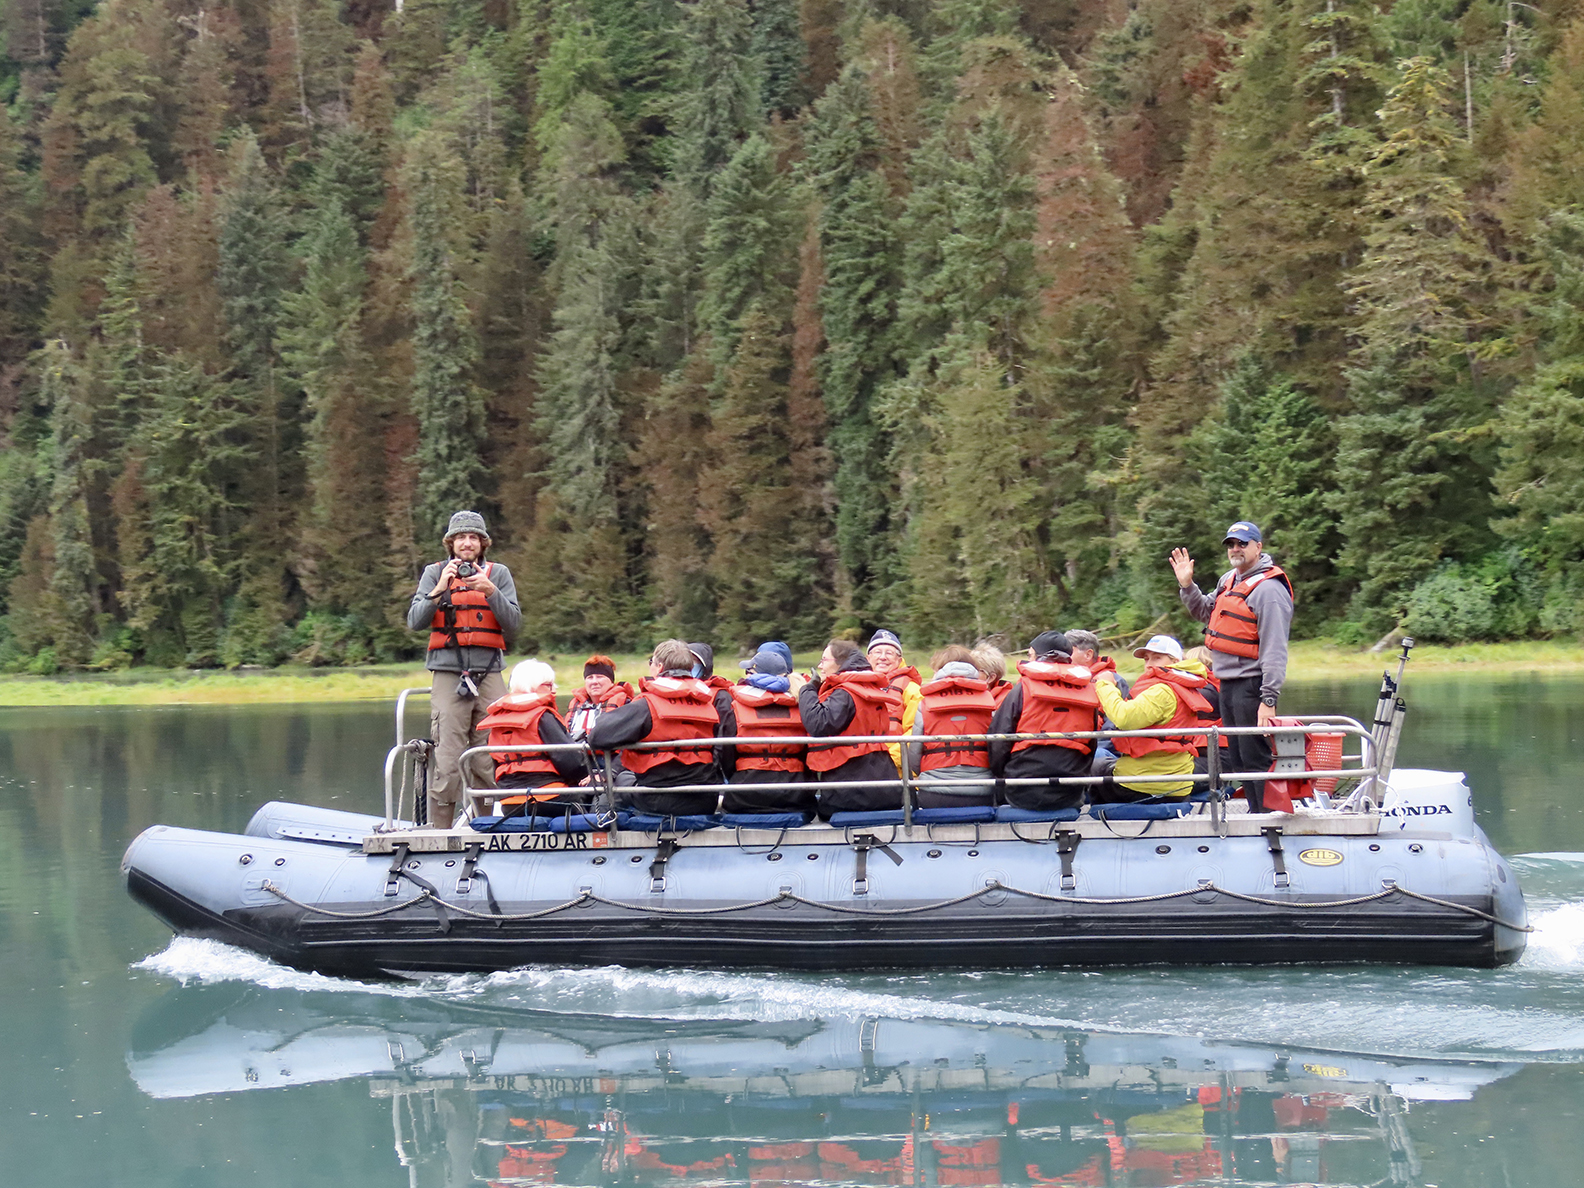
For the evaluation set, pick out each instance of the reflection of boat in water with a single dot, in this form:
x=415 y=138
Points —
x=530 y=1097
x=1398 y=871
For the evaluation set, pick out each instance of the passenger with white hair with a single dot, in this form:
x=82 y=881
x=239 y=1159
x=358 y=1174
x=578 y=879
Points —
x=527 y=716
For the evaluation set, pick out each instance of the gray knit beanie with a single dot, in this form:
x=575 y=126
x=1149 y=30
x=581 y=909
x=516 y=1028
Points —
x=466 y=521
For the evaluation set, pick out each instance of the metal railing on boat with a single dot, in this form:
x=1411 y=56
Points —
x=1288 y=766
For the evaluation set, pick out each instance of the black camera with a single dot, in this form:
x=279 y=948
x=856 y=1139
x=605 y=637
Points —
x=466 y=569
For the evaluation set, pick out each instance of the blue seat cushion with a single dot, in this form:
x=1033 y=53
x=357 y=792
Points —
x=653 y=823
x=968 y=814
x=512 y=824
x=1008 y=813
x=1139 y=812
x=764 y=820
x=877 y=817
x=588 y=822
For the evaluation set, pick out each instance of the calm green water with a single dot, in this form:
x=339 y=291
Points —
x=132 y=1059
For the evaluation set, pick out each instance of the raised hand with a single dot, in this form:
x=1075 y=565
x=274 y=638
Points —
x=1183 y=566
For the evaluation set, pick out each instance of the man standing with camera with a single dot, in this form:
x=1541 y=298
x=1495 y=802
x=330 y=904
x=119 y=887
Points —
x=470 y=607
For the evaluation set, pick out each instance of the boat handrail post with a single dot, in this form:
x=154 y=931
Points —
x=1213 y=778
x=907 y=785
x=390 y=765
x=401 y=709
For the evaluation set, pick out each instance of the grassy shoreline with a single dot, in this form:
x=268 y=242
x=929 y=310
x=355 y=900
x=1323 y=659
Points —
x=1311 y=660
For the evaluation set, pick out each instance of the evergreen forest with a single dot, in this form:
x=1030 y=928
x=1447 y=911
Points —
x=746 y=319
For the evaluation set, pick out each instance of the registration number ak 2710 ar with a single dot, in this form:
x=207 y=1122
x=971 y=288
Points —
x=545 y=841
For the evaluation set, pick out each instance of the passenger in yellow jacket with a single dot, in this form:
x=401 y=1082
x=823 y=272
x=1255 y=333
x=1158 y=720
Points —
x=1168 y=696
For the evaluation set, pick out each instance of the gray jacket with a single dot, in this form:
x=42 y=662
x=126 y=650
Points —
x=503 y=603
x=1272 y=605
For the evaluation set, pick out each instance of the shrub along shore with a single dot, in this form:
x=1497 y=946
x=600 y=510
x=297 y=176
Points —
x=1311 y=660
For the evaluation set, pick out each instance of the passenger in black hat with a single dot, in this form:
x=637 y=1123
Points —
x=1052 y=696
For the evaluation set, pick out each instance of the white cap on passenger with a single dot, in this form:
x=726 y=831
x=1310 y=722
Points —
x=1164 y=644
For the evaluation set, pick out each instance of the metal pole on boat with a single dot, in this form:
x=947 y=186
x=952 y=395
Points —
x=1213 y=774
x=1389 y=711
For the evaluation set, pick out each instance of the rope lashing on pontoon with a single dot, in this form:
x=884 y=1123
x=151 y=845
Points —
x=989 y=888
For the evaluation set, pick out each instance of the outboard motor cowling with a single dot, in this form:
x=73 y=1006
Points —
x=1421 y=801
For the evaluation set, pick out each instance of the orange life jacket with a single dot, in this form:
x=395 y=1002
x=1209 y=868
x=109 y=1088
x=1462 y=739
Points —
x=514 y=719
x=898 y=682
x=619 y=694
x=956 y=705
x=468 y=621
x=1193 y=709
x=1000 y=689
x=584 y=710
x=877 y=710
x=679 y=707
x=1233 y=628
x=761 y=713
x=1057 y=699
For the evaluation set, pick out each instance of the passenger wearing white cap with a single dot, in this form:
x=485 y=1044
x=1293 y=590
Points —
x=1168 y=696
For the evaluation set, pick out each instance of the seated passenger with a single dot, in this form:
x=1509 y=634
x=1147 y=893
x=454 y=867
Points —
x=600 y=693
x=991 y=663
x=1052 y=696
x=956 y=701
x=527 y=716
x=672 y=705
x=762 y=703
x=850 y=699
x=704 y=670
x=781 y=649
x=1086 y=652
x=1170 y=695
x=885 y=657
x=1212 y=694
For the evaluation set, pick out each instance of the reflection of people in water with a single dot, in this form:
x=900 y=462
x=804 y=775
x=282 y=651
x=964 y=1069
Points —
x=1085 y=1136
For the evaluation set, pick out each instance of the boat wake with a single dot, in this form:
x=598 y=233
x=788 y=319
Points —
x=1531 y=1011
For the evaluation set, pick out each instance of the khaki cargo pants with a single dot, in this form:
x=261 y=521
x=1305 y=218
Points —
x=453 y=724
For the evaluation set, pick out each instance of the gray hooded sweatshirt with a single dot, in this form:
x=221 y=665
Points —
x=1272 y=605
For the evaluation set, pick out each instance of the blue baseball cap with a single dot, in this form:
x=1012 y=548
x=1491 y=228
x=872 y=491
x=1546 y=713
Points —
x=1245 y=532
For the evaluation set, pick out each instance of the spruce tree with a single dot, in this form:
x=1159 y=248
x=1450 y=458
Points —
x=777 y=45
x=673 y=459
x=22 y=258
x=1266 y=454
x=254 y=269
x=582 y=586
x=342 y=556
x=750 y=241
x=1540 y=480
x=188 y=456
x=975 y=556
x=766 y=575
x=74 y=581
x=861 y=250
x=1407 y=466
x=445 y=397
x=720 y=102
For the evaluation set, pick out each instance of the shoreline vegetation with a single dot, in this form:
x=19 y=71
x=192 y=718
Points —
x=1311 y=660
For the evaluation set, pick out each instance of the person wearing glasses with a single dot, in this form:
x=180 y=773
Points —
x=1248 y=617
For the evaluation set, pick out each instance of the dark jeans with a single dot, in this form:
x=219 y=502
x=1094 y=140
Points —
x=1240 y=701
